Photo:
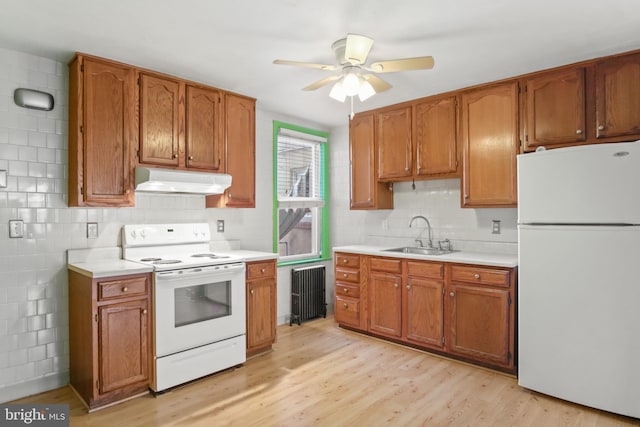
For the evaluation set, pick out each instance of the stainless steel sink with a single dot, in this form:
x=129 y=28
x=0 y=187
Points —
x=420 y=251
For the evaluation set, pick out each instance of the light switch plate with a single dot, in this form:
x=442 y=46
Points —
x=16 y=228
x=92 y=230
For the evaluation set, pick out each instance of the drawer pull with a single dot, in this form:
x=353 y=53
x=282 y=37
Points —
x=144 y=311
x=601 y=127
x=346 y=291
x=451 y=294
x=346 y=305
x=190 y=157
x=408 y=286
x=395 y=285
x=175 y=156
x=344 y=261
x=252 y=291
x=345 y=275
x=477 y=276
x=125 y=289
x=578 y=131
x=262 y=270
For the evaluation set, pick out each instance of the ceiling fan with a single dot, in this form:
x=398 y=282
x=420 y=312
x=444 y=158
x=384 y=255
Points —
x=354 y=76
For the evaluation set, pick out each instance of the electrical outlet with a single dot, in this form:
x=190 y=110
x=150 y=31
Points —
x=92 y=230
x=495 y=226
x=16 y=228
x=220 y=225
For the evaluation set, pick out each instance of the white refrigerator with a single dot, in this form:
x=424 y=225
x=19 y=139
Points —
x=579 y=275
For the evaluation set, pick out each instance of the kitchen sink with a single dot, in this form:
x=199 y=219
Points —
x=420 y=251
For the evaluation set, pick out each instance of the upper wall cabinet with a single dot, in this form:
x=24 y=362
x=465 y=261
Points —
x=434 y=136
x=102 y=132
x=617 y=87
x=239 y=149
x=393 y=135
x=203 y=136
x=366 y=191
x=555 y=109
x=161 y=111
x=489 y=127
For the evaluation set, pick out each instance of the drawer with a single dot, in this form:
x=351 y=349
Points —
x=257 y=270
x=386 y=264
x=347 y=311
x=347 y=290
x=347 y=275
x=122 y=288
x=480 y=275
x=425 y=269
x=347 y=260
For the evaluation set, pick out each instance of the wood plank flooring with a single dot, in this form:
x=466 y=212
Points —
x=321 y=375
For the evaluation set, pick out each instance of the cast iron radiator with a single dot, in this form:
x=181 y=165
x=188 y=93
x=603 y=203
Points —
x=307 y=293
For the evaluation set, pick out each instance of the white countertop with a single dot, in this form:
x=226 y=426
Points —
x=106 y=262
x=462 y=257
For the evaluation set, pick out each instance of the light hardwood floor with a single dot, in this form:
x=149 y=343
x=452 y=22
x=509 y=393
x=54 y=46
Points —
x=321 y=375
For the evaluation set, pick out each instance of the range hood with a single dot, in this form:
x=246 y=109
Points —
x=176 y=181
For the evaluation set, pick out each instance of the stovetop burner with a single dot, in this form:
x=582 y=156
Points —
x=167 y=261
x=150 y=259
x=212 y=256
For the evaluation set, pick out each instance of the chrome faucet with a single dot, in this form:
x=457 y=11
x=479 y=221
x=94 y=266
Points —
x=418 y=239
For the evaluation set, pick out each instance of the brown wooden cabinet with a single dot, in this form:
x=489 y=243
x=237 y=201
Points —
x=423 y=304
x=161 y=115
x=393 y=136
x=385 y=304
x=481 y=314
x=261 y=308
x=490 y=143
x=348 y=274
x=102 y=132
x=203 y=132
x=617 y=93
x=239 y=149
x=555 y=109
x=366 y=191
x=435 y=137
x=109 y=337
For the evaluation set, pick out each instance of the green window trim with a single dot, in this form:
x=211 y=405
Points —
x=324 y=166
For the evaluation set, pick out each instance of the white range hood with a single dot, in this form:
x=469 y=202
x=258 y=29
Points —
x=159 y=180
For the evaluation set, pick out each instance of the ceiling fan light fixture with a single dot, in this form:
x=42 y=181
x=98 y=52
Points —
x=366 y=91
x=351 y=84
x=337 y=92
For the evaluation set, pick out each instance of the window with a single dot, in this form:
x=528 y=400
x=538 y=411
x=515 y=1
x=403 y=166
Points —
x=300 y=207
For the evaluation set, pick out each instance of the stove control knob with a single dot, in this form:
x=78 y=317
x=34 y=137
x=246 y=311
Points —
x=133 y=233
x=142 y=233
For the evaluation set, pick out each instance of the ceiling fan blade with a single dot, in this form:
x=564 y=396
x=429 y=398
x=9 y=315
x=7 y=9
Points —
x=320 y=83
x=419 y=63
x=376 y=82
x=305 y=64
x=357 y=48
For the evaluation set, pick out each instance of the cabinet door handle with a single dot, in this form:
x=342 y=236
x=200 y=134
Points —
x=144 y=311
x=175 y=156
x=190 y=157
x=344 y=261
x=252 y=291
x=601 y=127
x=125 y=289
x=346 y=305
x=477 y=276
x=395 y=285
x=452 y=294
x=345 y=290
x=578 y=131
x=408 y=286
x=345 y=275
x=263 y=270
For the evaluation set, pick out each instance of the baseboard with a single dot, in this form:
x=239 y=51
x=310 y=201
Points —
x=38 y=385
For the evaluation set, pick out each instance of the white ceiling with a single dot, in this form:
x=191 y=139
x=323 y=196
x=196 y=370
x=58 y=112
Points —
x=231 y=44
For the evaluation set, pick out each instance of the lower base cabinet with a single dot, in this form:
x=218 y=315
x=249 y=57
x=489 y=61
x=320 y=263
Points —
x=109 y=337
x=459 y=310
x=261 y=280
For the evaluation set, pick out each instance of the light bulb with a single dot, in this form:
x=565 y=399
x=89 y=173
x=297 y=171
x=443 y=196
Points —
x=337 y=92
x=366 y=91
x=351 y=84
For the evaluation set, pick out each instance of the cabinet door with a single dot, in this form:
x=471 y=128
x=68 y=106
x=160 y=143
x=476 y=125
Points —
x=159 y=120
x=618 y=97
x=424 y=313
x=203 y=132
x=555 y=105
x=240 y=142
x=366 y=191
x=261 y=316
x=479 y=323
x=489 y=124
x=385 y=304
x=393 y=135
x=109 y=133
x=435 y=137
x=123 y=344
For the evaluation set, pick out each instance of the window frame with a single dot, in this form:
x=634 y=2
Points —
x=324 y=193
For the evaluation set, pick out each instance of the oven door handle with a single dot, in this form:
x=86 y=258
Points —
x=191 y=273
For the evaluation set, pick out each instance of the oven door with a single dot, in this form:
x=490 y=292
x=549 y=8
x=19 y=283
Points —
x=198 y=306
